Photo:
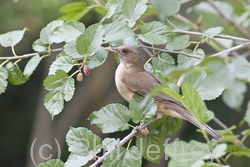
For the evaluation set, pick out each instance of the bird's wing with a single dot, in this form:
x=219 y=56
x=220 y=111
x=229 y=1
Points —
x=144 y=82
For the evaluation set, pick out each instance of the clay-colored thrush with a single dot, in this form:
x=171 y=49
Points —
x=131 y=77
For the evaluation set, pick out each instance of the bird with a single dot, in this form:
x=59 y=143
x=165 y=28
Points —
x=131 y=77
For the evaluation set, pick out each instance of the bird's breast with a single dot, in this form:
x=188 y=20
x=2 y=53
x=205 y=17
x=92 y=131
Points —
x=126 y=93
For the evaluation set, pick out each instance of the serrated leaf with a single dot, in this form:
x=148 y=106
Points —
x=90 y=41
x=194 y=104
x=11 y=38
x=163 y=63
x=211 y=32
x=31 y=65
x=124 y=158
x=67 y=32
x=133 y=9
x=247 y=114
x=154 y=33
x=52 y=163
x=83 y=142
x=61 y=88
x=64 y=63
x=116 y=31
x=142 y=109
x=166 y=8
x=3 y=79
x=186 y=62
x=15 y=75
x=111 y=118
x=75 y=160
x=46 y=32
x=151 y=147
x=97 y=59
x=109 y=143
x=39 y=46
x=197 y=78
x=165 y=126
x=74 y=11
x=70 y=49
x=179 y=42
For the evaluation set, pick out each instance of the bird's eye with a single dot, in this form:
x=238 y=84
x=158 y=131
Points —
x=124 y=50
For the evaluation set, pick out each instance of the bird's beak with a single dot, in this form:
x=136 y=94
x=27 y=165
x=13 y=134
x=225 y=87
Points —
x=111 y=49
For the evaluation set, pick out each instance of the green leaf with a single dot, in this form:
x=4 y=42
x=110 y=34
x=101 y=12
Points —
x=75 y=160
x=46 y=32
x=186 y=62
x=211 y=32
x=133 y=9
x=240 y=67
x=179 y=42
x=83 y=142
x=164 y=63
x=209 y=164
x=165 y=126
x=52 y=163
x=238 y=150
x=70 y=50
x=3 y=79
x=67 y=32
x=247 y=114
x=154 y=33
x=123 y=158
x=97 y=59
x=116 y=31
x=11 y=38
x=39 y=46
x=166 y=8
x=109 y=143
x=233 y=95
x=197 y=78
x=151 y=147
x=111 y=118
x=194 y=104
x=74 y=11
x=31 y=65
x=192 y=153
x=90 y=41
x=63 y=62
x=142 y=109
x=111 y=7
x=15 y=75
x=61 y=88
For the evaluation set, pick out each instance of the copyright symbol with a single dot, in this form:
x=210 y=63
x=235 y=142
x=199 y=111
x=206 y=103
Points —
x=41 y=151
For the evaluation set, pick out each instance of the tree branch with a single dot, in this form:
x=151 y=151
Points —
x=224 y=16
x=232 y=49
x=171 y=51
x=31 y=54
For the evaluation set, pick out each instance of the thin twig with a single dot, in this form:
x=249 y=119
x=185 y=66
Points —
x=181 y=79
x=171 y=51
x=216 y=36
x=224 y=16
x=231 y=49
x=30 y=54
x=122 y=142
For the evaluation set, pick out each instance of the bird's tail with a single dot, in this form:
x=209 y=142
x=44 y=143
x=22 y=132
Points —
x=208 y=129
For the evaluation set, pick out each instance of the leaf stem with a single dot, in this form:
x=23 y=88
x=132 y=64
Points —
x=13 y=51
x=129 y=143
x=3 y=63
x=77 y=71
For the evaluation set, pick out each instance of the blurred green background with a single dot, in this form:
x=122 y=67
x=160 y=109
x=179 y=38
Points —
x=23 y=118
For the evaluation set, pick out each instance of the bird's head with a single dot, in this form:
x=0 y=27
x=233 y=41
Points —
x=128 y=55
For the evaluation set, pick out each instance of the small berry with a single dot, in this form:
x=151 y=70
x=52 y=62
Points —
x=198 y=23
x=145 y=132
x=86 y=70
x=79 y=77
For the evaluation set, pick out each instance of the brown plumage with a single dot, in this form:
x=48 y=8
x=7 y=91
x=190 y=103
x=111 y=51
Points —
x=131 y=77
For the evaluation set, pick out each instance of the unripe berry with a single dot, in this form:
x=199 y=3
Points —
x=79 y=77
x=145 y=132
